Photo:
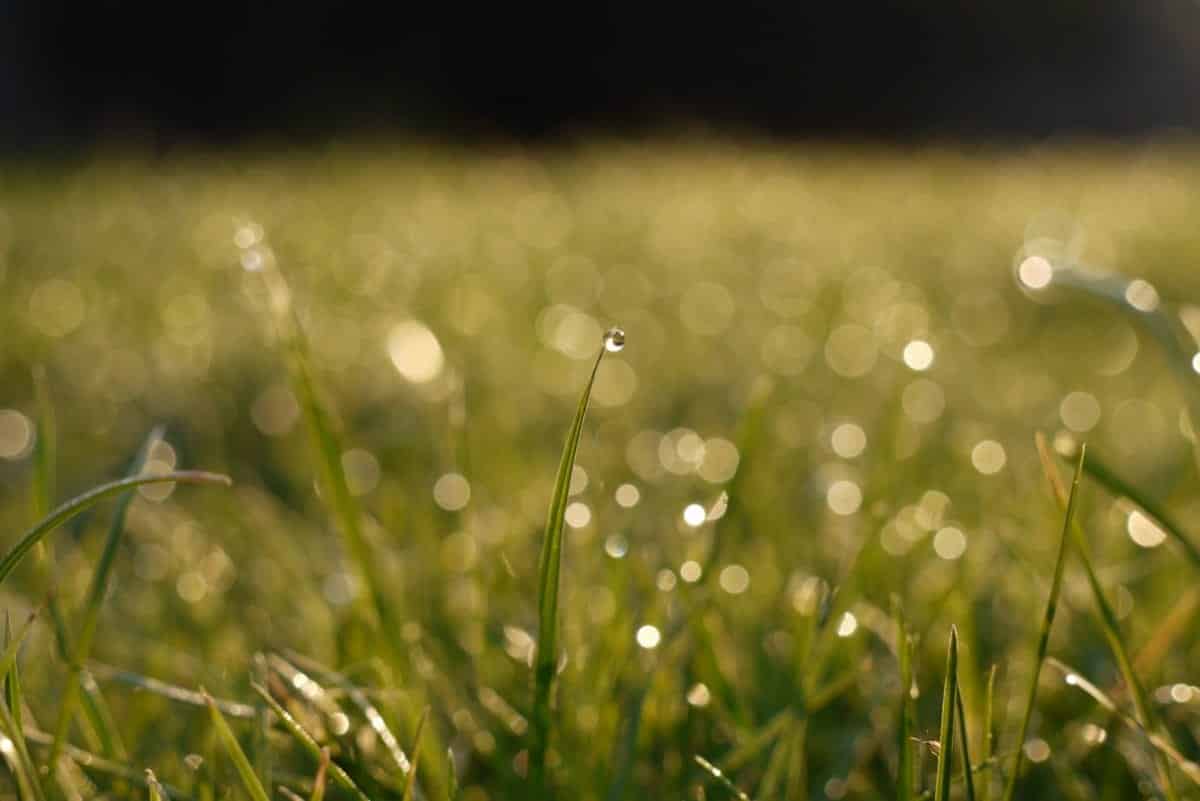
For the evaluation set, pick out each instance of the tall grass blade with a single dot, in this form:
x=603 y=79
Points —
x=28 y=777
x=90 y=498
x=963 y=739
x=308 y=742
x=410 y=781
x=549 y=566
x=97 y=592
x=989 y=735
x=1074 y=678
x=345 y=510
x=904 y=729
x=1047 y=623
x=941 y=791
x=233 y=748
x=318 y=791
x=1108 y=618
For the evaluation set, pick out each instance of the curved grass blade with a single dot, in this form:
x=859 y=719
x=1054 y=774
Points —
x=90 y=498
x=1075 y=679
x=1047 y=622
x=234 y=749
x=172 y=692
x=1119 y=487
x=97 y=592
x=1165 y=328
x=941 y=785
x=309 y=743
x=549 y=566
x=1107 y=618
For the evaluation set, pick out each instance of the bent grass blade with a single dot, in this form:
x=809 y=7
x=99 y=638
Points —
x=549 y=567
x=90 y=498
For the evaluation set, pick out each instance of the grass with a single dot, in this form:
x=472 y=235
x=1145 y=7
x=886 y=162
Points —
x=829 y=357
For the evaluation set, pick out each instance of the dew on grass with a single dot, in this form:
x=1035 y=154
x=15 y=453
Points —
x=614 y=340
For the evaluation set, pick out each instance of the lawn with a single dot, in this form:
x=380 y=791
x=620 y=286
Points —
x=814 y=455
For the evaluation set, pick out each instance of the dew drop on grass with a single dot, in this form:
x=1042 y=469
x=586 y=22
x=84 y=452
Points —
x=614 y=339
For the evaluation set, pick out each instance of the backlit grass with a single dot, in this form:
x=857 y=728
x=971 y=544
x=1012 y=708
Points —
x=812 y=462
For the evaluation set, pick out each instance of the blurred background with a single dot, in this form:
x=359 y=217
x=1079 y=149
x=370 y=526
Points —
x=71 y=74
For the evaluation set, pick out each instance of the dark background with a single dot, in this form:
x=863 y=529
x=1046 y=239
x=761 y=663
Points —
x=74 y=74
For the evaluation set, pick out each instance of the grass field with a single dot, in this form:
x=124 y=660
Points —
x=385 y=348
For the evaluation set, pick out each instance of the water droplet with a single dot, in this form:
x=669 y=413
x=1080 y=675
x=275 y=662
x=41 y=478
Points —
x=614 y=339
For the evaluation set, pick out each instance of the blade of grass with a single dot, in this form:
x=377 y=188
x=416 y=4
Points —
x=308 y=742
x=359 y=698
x=93 y=496
x=318 y=791
x=1119 y=487
x=989 y=735
x=97 y=592
x=154 y=789
x=410 y=781
x=171 y=692
x=963 y=739
x=233 y=748
x=721 y=778
x=1074 y=678
x=11 y=717
x=904 y=729
x=1044 y=635
x=1107 y=617
x=946 y=736
x=549 y=566
x=1173 y=625
x=327 y=448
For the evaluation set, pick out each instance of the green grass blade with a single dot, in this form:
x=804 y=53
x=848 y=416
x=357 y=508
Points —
x=946 y=732
x=989 y=735
x=1118 y=486
x=1047 y=623
x=28 y=776
x=318 y=791
x=904 y=729
x=343 y=507
x=97 y=592
x=1107 y=618
x=90 y=498
x=721 y=778
x=155 y=790
x=963 y=739
x=233 y=748
x=308 y=743
x=1074 y=678
x=410 y=781
x=9 y=658
x=549 y=565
